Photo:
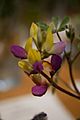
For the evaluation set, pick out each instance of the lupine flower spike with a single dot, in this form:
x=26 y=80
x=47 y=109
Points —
x=33 y=61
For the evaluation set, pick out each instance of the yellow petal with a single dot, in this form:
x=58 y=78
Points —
x=33 y=31
x=34 y=55
x=49 y=40
x=28 y=44
x=39 y=35
x=25 y=65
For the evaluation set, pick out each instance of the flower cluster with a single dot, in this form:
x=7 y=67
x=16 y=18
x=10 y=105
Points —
x=33 y=58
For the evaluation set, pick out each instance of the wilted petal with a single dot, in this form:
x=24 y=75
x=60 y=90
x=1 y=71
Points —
x=37 y=66
x=56 y=61
x=33 y=31
x=47 y=67
x=39 y=90
x=59 y=47
x=28 y=44
x=18 y=51
x=36 y=78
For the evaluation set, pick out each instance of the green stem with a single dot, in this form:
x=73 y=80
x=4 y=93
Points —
x=70 y=67
x=72 y=79
x=63 y=82
x=58 y=87
x=58 y=36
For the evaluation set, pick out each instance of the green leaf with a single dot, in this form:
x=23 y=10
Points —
x=68 y=34
x=63 y=23
x=55 y=20
x=42 y=25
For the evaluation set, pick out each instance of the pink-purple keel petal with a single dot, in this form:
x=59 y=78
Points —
x=18 y=52
x=59 y=47
x=39 y=90
x=56 y=61
x=38 y=67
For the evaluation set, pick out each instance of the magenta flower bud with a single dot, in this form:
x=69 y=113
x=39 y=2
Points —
x=56 y=61
x=18 y=51
x=39 y=90
x=38 y=67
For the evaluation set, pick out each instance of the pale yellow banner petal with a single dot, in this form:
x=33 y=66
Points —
x=33 y=31
x=49 y=40
x=34 y=55
x=28 y=44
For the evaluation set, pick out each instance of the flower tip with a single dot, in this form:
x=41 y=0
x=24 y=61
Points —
x=59 y=47
x=18 y=51
x=56 y=61
x=63 y=44
x=39 y=90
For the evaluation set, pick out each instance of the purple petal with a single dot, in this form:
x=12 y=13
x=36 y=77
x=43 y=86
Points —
x=39 y=90
x=59 y=47
x=38 y=67
x=18 y=51
x=56 y=61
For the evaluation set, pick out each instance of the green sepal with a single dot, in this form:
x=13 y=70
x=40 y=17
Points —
x=63 y=24
x=55 y=21
x=42 y=25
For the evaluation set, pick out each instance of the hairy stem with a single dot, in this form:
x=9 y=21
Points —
x=63 y=82
x=58 y=87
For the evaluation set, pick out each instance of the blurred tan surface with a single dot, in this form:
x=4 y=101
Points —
x=24 y=88
x=72 y=104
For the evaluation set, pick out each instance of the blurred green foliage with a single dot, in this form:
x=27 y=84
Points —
x=6 y=8
x=35 y=8
x=24 y=12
